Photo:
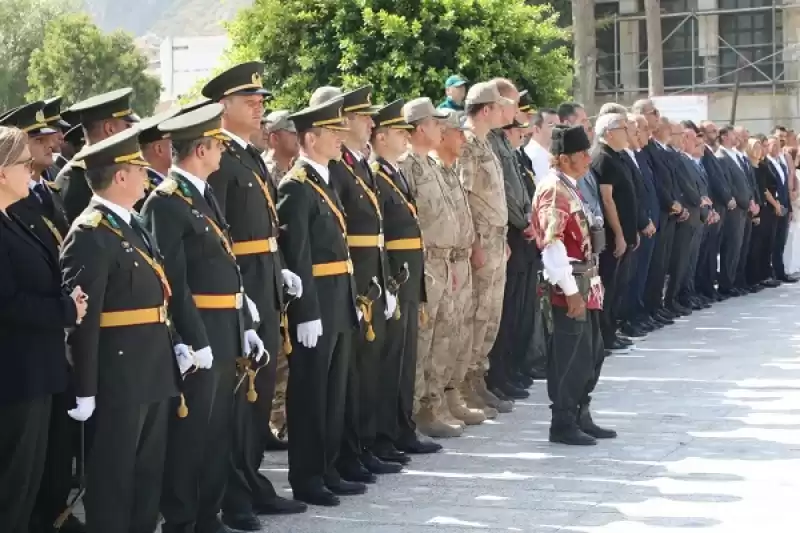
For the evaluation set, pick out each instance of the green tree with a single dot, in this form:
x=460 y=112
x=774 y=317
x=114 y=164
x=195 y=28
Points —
x=77 y=60
x=22 y=30
x=404 y=48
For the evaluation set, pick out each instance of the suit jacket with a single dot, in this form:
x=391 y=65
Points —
x=740 y=184
x=248 y=200
x=125 y=365
x=719 y=186
x=649 y=201
x=35 y=309
x=692 y=183
x=74 y=189
x=663 y=177
x=643 y=211
x=46 y=217
x=313 y=233
x=768 y=181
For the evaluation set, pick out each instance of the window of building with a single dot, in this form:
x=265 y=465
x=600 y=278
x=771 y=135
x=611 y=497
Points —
x=754 y=35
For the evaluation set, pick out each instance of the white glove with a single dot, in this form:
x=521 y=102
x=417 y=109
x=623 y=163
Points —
x=184 y=356
x=251 y=305
x=84 y=409
x=359 y=314
x=254 y=346
x=391 y=305
x=309 y=332
x=294 y=285
x=204 y=358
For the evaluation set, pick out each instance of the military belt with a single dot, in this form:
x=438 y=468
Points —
x=219 y=301
x=260 y=246
x=414 y=243
x=365 y=241
x=335 y=268
x=134 y=317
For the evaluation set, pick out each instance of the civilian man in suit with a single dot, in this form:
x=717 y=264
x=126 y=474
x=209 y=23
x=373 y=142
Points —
x=781 y=170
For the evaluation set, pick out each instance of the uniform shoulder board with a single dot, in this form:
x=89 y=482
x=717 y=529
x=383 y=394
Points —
x=297 y=174
x=375 y=166
x=167 y=187
x=89 y=220
x=53 y=185
x=79 y=164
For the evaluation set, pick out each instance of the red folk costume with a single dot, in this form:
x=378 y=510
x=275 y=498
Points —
x=559 y=216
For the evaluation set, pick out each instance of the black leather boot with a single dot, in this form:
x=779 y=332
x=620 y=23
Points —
x=564 y=430
x=588 y=426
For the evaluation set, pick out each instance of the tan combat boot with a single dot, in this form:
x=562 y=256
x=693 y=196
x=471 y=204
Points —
x=502 y=406
x=444 y=414
x=471 y=417
x=473 y=400
x=428 y=424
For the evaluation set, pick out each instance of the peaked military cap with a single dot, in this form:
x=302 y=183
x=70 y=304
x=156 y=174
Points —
x=29 y=118
x=196 y=104
x=569 y=140
x=148 y=128
x=325 y=115
x=525 y=102
x=198 y=124
x=114 y=104
x=355 y=101
x=7 y=112
x=516 y=124
x=391 y=116
x=279 y=121
x=74 y=136
x=244 y=78
x=119 y=149
x=52 y=113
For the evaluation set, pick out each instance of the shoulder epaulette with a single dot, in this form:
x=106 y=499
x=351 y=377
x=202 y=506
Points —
x=78 y=164
x=89 y=220
x=167 y=187
x=375 y=166
x=53 y=185
x=297 y=174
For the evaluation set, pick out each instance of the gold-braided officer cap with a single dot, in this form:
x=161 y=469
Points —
x=29 y=118
x=391 y=116
x=203 y=122
x=120 y=148
x=325 y=115
x=244 y=78
x=114 y=104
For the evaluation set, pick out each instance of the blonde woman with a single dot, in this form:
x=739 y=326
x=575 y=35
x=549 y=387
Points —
x=34 y=312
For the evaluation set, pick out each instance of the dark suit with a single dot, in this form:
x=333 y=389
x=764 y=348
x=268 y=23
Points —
x=737 y=223
x=648 y=200
x=247 y=198
x=199 y=264
x=74 y=189
x=695 y=173
x=762 y=242
x=782 y=225
x=720 y=194
x=398 y=361
x=35 y=310
x=639 y=256
x=312 y=233
x=128 y=366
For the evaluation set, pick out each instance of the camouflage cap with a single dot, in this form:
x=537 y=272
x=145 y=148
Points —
x=279 y=121
x=486 y=92
x=455 y=120
x=419 y=109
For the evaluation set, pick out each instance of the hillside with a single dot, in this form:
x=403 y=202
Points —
x=165 y=17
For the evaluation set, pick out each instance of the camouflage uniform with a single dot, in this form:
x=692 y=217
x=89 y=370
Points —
x=440 y=236
x=482 y=177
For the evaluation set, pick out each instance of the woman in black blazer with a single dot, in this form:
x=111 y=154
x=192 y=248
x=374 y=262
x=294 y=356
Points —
x=35 y=311
x=759 y=262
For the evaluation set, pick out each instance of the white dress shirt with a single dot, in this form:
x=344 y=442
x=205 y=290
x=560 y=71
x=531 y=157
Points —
x=540 y=160
x=322 y=170
x=776 y=164
x=235 y=138
x=199 y=184
x=118 y=210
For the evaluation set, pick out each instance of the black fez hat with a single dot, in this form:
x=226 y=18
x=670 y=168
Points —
x=114 y=104
x=391 y=116
x=568 y=140
x=198 y=124
x=325 y=115
x=244 y=78
x=120 y=149
x=29 y=118
x=525 y=102
x=148 y=128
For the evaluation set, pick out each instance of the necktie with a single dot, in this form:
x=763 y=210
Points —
x=139 y=229
x=785 y=170
x=403 y=181
x=256 y=156
x=212 y=202
x=42 y=192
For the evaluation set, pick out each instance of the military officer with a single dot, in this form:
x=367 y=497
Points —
x=54 y=120
x=156 y=149
x=403 y=240
x=355 y=185
x=210 y=313
x=101 y=117
x=247 y=199
x=44 y=213
x=123 y=352
x=562 y=231
x=313 y=240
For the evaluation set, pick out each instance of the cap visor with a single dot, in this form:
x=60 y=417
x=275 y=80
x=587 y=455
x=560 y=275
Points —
x=460 y=83
x=440 y=114
x=221 y=137
x=401 y=127
x=506 y=101
x=42 y=131
x=138 y=162
x=133 y=117
x=263 y=92
x=336 y=128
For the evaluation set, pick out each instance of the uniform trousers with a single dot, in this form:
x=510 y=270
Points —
x=315 y=405
x=363 y=386
x=23 y=449
x=199 y=446
x=250 y=421
x=574 y=364
x=406 y=431
x=449 y=368
x=278 y=416
x=731 y=247
x=124 y=470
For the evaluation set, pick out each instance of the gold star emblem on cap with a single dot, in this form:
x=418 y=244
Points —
x=256 y=79
x=40 y=116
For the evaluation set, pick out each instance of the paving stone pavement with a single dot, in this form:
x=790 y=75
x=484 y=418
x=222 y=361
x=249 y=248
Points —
x=708 y=413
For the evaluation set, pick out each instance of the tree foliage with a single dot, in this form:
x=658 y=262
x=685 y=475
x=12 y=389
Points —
x=404 y=48
x=22 y=30
x=77 y=60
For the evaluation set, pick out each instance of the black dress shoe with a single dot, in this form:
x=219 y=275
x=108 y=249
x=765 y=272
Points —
x=278 y=505
x=376 y=466
x=316 y=495
x=771 y=283
x=617 y=347
x=536 y=373
x=666 y=314
x=498 y=392
x=571 y=435
x=629 y=330
x=353 y=470
x=241 y=522
x=521 y=380
x=787 y=279
x=662 y=319
x=213 y=526
x=623 y=340
x=419 y=447
x=343 y=487
x=587 y=425
x=755 y=288
x=678 y=309
x=388 y=453
x=513 y=392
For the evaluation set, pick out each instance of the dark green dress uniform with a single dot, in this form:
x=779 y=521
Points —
x=54 y=119
x=355 y=185
x=248 y=200
x=403 y=241
x=43 y=212
x=209 y=310
x=122 y=353
x=149 y=133
x=71 y=180
x=314 y=245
